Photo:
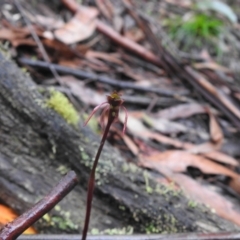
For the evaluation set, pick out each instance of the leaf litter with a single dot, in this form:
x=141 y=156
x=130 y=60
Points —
x=79 y=28
x=158 y=137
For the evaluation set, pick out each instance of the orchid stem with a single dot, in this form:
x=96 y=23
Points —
x=91 y=181
x=115 y=102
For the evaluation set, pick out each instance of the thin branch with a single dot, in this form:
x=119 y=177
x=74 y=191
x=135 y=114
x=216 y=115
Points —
x=102 y=79
x=37 y=40
x=15 y=228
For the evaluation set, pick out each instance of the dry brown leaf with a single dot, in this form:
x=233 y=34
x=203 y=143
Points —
x=204 y=148
x=211 y=66
x=131 y=145
x=47 y=22
x=85 y=94
x=178 y=161
x=97 y=65
x=204 y=54
x=23 y=42
x=134 y=125
x=134 y=34
x=167 y=140
x=128 y=141
x=138 y=129
x=17 y=37
x=221 y=157
x=201 y=194
x=237 y=95
x=164 y=125
x=128 y=71
x=118 y=22
x=216 y=137
x=93 y=63
x=182 y=3
x=61 y=50
x=113 y=57
x=11 y=34
x=214 y=155
x=80 y=27
x=212 y=90
x=235 y=184
x=215 y=129
x=182 y=111
x=229 y=104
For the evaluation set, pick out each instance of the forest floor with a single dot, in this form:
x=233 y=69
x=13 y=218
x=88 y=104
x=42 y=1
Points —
x=176 y=65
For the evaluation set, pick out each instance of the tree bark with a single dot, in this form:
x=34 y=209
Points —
x=37 y=146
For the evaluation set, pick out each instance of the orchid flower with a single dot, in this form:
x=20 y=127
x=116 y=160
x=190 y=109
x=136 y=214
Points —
x=112 y=105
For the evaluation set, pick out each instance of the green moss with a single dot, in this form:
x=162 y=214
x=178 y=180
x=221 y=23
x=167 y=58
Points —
x=62 y=222
x=63 y=107
x=165 y=224
x=113 y=231
x=4 y=49
x=62 y=169
x=102 y=169
x=192 y=204
x=84 y=156
x=95 y=231
x=129 y=167
x=57 y=208
x=168 y=190
x=151 y=228
x=122 y=208
x=148 y=188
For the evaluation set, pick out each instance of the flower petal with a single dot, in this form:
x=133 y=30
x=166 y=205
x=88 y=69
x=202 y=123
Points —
x=94 y=110
x=125 y=121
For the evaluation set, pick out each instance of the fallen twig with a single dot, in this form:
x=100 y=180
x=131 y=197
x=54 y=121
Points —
x=37 y=40
x=15 y=228
x=116 y=83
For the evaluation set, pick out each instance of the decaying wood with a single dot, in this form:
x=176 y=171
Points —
x=37 y=146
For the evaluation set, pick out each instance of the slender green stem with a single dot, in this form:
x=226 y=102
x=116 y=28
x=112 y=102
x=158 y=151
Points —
x=91 y=181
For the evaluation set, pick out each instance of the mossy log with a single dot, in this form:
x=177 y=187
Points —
x=37 y=146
